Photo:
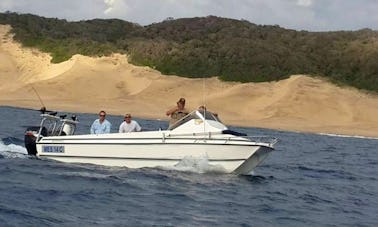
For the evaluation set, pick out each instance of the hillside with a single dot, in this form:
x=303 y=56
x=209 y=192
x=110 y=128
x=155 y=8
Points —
x=210 y=46
x=88 y=84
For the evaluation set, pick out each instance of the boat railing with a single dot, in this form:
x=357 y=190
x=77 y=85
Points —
x=266 y=140
x=57 y=125
x=49 y=122
x=262 y=139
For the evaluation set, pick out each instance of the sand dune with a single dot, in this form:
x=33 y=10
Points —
x=87 y=84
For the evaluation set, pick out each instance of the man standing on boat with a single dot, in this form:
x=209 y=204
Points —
x=101 y=125
x=177 y=112
x=129 y=125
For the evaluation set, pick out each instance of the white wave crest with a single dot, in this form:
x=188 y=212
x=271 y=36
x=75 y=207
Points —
x=347 y=136
x=196 y=165
x=12 y=151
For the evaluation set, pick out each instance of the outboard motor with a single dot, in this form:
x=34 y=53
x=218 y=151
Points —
x=30 y=138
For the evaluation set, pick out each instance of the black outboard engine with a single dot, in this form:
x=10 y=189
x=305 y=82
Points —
x=31 y=135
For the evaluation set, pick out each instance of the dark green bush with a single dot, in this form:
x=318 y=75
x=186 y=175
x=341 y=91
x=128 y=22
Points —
x=210 y=46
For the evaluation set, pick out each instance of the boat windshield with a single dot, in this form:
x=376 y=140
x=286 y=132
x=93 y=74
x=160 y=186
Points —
x=197 y=114
x=208 y=115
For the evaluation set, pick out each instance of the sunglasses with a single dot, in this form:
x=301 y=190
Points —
x=101 y=115
x=127 y=117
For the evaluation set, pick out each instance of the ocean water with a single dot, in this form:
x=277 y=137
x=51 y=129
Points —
x=310 y=180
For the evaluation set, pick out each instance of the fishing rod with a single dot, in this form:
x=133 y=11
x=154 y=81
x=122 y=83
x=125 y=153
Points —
x=43 y=108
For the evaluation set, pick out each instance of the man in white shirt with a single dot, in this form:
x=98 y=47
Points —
x=129 y=125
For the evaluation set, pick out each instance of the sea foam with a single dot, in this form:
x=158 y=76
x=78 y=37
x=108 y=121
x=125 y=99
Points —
x=12 y=150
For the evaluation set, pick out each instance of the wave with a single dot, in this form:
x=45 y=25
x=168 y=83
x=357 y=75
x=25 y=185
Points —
x=12 y=151
x=195 y=165
x=347 y=136
x=12 y=140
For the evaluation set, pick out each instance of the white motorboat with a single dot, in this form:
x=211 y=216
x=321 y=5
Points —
x=197 y=135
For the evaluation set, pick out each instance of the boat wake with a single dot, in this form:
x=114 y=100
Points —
x=12 y=151
x=196 y=165
x=348 y=136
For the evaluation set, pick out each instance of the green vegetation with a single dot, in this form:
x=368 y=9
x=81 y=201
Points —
x=210 y=46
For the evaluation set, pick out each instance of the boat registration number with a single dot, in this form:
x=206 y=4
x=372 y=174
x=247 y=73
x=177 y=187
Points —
x=53 y=149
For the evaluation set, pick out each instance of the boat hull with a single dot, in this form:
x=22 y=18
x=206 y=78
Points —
x=236 y=158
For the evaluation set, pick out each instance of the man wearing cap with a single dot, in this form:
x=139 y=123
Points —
x=129 y=125
x=177 y=112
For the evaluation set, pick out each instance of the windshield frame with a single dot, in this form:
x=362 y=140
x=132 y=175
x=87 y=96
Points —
x=196 y=114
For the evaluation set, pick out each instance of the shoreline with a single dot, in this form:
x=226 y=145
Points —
x=337 y=133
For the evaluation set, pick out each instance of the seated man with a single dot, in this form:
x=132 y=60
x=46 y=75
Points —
x=203 y=108
x=101 y=125
x=129 y=125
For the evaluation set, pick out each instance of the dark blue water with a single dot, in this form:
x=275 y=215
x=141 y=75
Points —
x=310 y=180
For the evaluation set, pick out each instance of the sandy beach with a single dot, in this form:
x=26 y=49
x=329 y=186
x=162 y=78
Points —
x=89 y=84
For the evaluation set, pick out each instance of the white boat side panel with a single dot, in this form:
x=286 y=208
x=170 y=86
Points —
x=152 y=151
x=227 y=166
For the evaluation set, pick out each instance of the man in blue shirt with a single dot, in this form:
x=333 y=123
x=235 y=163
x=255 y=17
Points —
x=101 y=125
